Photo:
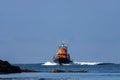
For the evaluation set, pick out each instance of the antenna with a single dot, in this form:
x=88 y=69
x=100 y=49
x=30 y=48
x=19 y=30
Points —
x=63 y=42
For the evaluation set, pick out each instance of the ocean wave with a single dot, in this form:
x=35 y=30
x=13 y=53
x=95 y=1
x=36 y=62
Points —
x=107 y=64
x=74 y=63
x=50 y=63
x=87 y=63
x=53 y=64
x=79 y=63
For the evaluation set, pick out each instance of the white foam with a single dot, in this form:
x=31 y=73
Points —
x=87 y=63
x=74 y=63
x=50 y=63
x=53 y=63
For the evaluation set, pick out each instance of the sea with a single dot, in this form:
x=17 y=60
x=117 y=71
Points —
x=95 y=71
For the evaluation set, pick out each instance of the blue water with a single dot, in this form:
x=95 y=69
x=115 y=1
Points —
x=95 y=72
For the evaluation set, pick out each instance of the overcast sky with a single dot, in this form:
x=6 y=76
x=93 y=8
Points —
x=31 y=30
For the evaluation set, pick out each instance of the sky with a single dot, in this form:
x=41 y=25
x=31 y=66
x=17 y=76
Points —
x=32 y=30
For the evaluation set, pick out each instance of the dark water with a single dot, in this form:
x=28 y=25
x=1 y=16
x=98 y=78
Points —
x=102 y=71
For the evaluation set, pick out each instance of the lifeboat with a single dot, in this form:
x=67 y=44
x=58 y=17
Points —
x=62 y=56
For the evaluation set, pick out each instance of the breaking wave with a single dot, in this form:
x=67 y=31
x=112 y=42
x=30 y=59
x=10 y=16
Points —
x=50 y=63
x=80 y=63
x=74 y=63
x=87 y=63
